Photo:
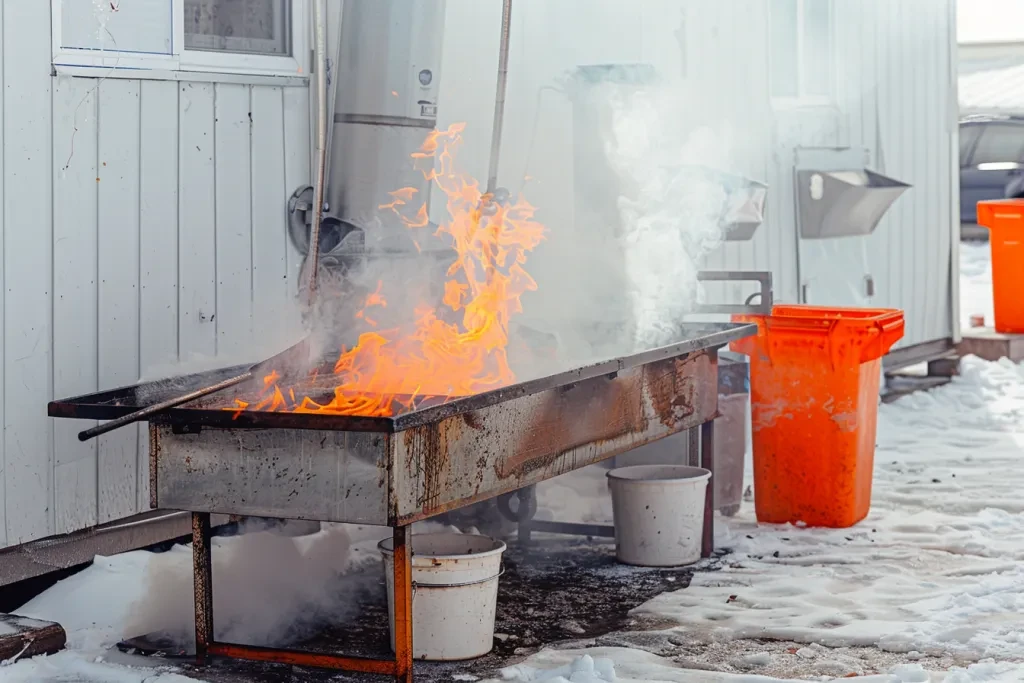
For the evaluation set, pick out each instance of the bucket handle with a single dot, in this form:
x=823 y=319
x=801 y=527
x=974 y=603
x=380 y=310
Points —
x=460 y=585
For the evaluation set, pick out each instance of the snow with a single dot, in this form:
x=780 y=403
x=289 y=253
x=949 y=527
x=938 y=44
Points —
x=934 y=573
x=975 y=282
x=928 y=589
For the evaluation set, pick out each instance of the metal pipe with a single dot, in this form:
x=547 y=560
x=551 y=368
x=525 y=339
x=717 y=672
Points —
x=499 y=98
x=313 y=253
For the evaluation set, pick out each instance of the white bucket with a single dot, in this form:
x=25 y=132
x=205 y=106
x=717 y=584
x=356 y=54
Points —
x=659 y=514
x=455 y=592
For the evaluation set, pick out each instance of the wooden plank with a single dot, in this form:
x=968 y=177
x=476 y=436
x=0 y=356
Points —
x=158 y=246
x=987 y=344
x=297 y=172
x=118 y=267
x=28 y=265
x=197 y=266
x=270 y=194
x=21 y=637
x=75 y=333
x=233 y=210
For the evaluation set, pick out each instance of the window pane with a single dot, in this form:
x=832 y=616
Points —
x=785 y=71
x=137 y=26
x=817 y=47
x=255 y=26
x=968 y=134
x=999 y=143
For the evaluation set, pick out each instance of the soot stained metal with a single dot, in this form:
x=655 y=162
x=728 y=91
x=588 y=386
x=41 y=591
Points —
x=432 y=459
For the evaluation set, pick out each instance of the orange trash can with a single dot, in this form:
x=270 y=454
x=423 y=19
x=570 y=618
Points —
x=1004 y=219
x=814 y=388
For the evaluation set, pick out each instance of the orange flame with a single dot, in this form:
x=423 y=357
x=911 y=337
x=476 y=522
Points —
x=388 y=370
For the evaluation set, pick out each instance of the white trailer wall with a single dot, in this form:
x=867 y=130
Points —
x=893 y=95
x=143 y=223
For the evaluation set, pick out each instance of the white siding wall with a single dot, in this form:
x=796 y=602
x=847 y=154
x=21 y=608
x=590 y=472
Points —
x=894 y=97
x=144 y=222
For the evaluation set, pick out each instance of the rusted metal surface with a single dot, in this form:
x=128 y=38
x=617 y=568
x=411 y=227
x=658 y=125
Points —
x=707 y=461
x=294 y=474
x=437 y=458
x=403 y=605
x=154 y=459
x=310 y=659
x=202 y=577
x=504 y=447
x=397 y=478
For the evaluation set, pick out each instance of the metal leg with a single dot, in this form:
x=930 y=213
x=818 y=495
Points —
x=707 y=461
x=403 y=605
x=693 y=447
x=202 y=576
x=526 y=510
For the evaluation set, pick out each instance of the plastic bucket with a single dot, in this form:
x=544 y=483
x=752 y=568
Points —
x=658 y=512
x=455 y=592
x=1005 y=222
x=814 y=387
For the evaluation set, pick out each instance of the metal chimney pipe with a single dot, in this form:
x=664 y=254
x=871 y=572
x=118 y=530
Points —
x=313 y=253
x=499 y=98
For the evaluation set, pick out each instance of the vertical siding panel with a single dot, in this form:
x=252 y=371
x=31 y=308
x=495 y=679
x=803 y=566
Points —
x=927 y=229
x=915 y=252
x=74 y=291
x=296 y=174
x=269 y=208
x=951 y=167
x=891 y=133
x=118 y=263
x=3 y=292
x=28 y=266
x=197 y=267
x=158 y=245
x=233 y=221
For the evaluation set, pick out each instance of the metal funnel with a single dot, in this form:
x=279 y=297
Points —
x=743 y=212
x=844 y=203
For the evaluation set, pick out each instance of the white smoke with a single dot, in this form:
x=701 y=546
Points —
x=268 y=588
x=670 y=219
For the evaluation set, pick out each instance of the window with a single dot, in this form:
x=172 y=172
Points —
x=968 y=134
x=800 y=40
x=260 y=27
x=262 y=37
x=999 y=143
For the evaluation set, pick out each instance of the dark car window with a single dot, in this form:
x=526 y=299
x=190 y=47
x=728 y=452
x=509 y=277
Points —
x=968 y=134
x=999 y=142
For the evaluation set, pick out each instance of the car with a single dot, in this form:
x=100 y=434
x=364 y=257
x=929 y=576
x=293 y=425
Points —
x=991 y=165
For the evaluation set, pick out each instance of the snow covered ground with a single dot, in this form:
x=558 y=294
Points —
x=975 y=282
x=929 y=588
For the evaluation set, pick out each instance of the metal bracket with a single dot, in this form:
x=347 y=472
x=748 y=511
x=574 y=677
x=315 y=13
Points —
x=766 y=300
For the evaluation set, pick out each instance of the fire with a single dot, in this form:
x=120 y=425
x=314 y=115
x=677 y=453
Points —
x=389 y=369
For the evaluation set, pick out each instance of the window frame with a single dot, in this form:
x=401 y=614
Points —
x=802 y=98
x=181 y=60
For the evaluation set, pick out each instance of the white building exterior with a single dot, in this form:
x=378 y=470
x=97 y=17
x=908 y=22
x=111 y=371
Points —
x=144 y=201
x=877 y=81
x=145 y=205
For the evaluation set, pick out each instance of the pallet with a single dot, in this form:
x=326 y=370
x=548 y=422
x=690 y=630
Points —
x=23 y=637
x=987 y=344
